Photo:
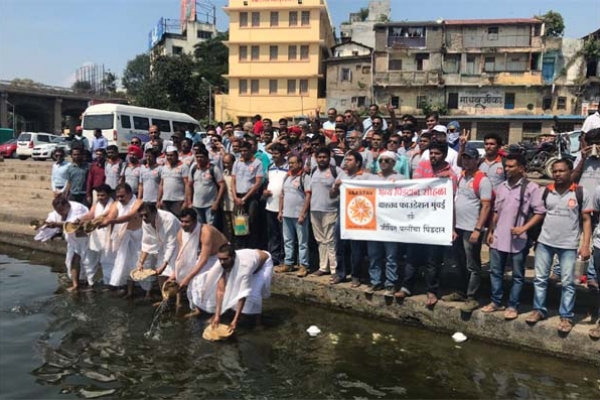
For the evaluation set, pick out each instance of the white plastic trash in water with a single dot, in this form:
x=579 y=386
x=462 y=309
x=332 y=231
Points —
x=313 y=330
x=459 y=337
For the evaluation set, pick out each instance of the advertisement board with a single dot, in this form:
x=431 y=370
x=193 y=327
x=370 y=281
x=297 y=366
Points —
x=156 y=33
x=483 y=97
x=188 y=12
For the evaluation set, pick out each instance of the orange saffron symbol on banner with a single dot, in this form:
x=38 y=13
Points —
x=360 y=209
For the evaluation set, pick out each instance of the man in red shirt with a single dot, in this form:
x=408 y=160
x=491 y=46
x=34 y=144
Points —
x=96 y=176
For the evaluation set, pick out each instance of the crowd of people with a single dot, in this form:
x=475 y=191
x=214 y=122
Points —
x=182 y=205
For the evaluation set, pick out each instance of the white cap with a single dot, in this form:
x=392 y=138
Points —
x=389 y=154
x=440 y=128
x=171 y=149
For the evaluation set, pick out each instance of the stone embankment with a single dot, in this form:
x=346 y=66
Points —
x=27 y=195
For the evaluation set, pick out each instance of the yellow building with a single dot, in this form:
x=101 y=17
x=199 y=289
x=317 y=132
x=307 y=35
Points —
x=276 y=53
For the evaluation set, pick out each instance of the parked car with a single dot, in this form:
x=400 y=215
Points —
x=9 y=149
x=28 y=140
x=46 y=150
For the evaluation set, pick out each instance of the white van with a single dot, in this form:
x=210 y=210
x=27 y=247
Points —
x=120 y=123
x=28 y=140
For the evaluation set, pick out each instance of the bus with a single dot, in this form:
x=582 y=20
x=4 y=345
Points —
x=120 y=123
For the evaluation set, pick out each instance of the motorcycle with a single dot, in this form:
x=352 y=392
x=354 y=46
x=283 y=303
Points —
x=547 y=153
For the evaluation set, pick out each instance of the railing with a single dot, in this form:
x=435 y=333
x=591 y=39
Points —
x=407 y=78
x=34 y=87
x=403 y=41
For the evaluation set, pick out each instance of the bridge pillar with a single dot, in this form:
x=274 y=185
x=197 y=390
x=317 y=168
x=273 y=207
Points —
x=3 y=111
x=57 y=116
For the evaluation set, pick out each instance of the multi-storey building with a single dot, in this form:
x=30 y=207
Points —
x=359 y=27
x=276 y=53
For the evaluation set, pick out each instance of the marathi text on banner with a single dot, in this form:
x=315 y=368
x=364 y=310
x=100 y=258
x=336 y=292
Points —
x=410 y=211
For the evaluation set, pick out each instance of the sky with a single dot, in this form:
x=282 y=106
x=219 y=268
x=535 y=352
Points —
x=47 y=40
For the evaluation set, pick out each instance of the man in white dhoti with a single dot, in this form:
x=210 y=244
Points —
x=77 y=242
x=244 y=281
x=159 y=242
x=99 y=251
x=198 y=246
x=126 y=238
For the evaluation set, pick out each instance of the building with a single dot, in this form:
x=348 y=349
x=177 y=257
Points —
x=349 y=77
x=482 y=67
x=276 y=54
x=359 y=27
x=590 y=74
x=171 y=37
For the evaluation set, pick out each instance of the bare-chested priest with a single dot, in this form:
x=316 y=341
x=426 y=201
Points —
x=126 y=239
x=198 y=247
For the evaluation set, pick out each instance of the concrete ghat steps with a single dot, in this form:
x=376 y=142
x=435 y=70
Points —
x=445 y=317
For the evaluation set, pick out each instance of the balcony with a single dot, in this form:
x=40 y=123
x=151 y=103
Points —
x=407 y=78
x=401 y=42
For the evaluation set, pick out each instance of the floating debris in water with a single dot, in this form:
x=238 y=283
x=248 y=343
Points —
x=313 y=330
x=94 y=394
x=459 y=337
x=334 y=338
x=97 y=376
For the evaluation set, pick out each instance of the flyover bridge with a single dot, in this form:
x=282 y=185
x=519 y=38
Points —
x=43 y=108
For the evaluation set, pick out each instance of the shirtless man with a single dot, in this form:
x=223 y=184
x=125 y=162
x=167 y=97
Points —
x=245 y=279
x=198 y=246
x=126 y=235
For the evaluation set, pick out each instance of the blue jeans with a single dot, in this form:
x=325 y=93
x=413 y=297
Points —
x=543 y=265
x=591 y=270
x=292 y=230
x=357 y=254
x=433 y=257
x=205 y=215
x=596 y=259
x=378 y=252
x=468 y=261
x=497 y=264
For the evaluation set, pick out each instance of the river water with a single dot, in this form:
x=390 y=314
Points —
x=56 y=345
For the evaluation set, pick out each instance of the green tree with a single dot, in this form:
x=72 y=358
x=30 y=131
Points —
x=109 y=82
x=364 y=13
x=82 y=87
x=212 y=58
x=554 y=23
x=136 y=75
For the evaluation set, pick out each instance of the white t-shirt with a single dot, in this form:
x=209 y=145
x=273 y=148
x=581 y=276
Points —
x=275 y=176
x=591 y=122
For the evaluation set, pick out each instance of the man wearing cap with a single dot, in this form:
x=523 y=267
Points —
x=174 y=178
x=99 y=142
x=131 y=172
x=472 y=207
x=384 y=252
x=80 y=138
x=439 y=133
x=176 y=139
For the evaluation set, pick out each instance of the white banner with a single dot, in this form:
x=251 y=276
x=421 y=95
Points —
x=408 y=211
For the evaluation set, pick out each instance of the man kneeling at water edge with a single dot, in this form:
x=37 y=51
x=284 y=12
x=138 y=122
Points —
x=245 y=279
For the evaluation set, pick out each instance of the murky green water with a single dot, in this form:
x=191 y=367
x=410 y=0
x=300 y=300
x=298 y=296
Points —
x=60 y=346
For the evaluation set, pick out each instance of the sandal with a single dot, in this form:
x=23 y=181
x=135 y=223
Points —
x=565 y=325
x=534 y=317
x=431 y=300
x=490 y=308
x=510 y=314
x=336 y=279
x=595 y=333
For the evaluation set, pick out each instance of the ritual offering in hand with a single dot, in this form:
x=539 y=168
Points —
x=140 y=275
x=214 y=334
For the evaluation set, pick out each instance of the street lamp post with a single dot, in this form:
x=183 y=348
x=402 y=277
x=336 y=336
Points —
x=210 y=86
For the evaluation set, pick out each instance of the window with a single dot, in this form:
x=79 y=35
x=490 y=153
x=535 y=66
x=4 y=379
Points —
x=255 y=53
x=395 y=65
x=141 y=123
x=254 y=86
x=243 y=19
x=346 y=75
x=293 y=18
x=303 y=86
x=243 y=53
x=273 y=52
x=91 y=122
x=535 y=62
x=44 y=138
x=184 y=126
x=359 y=101
x=305 y=21
x=547 y=103
x=366 y=69
x=355 y=53
x=163 y=124
x=291 y=86
x=421 y=100
x=395 y=102
x=200 y=34
x=304 y=52
x=509 y=101
x=292 y=53
x=125 y=122
x=274 y=18
x=452 y=101
x=422 y=62
x=532 y=128
x=243 y=86
x=561 y=104
x=489 y=64
x=452 y=63
x=470 y=65
x=255 y=19
x=273 y=86
x=177 y=50
x=493 y=33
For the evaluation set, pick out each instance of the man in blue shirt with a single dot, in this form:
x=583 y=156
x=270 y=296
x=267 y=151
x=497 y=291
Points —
x=99 y=142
